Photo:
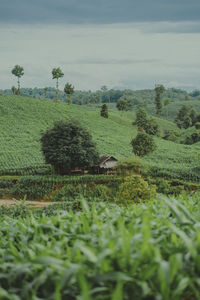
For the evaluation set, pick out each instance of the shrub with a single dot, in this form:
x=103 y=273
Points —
x=135 y=189
x=104 y=110
x=130 y=165
x=71 y=192
x=143 y=144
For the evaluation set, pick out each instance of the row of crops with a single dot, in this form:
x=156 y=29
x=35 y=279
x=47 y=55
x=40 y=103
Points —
x=145 y=251
x=186 y=174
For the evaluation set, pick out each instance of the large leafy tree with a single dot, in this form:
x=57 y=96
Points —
x=68 y=146
x=18 y=71
x=56 y=74
x=159 y=90
x=69 y=90
x=143 y=144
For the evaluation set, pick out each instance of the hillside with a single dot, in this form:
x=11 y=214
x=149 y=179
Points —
x=22 y=120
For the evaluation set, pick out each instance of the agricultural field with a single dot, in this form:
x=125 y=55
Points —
x=23 y=119
x=149 y=250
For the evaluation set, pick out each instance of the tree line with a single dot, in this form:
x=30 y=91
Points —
x=57 y=73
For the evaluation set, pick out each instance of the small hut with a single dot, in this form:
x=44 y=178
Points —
x=106 y=163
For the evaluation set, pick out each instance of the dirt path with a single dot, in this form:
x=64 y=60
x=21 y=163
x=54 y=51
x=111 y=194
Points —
x=34 y=204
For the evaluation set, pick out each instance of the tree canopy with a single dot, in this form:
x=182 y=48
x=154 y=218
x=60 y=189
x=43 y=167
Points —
x=68 y=146
x=143 y=144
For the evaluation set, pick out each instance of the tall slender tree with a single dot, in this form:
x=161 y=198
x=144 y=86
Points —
x=56 y=74
x=69 y=90
x=159 y=90
x=45 y=91
x=166 y=103
x=18 y=71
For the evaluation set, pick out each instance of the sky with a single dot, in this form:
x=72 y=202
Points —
x=121 y=44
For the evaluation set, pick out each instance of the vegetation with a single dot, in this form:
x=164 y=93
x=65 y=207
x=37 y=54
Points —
x=56 y=74
x=104 y=111
x=135 y=189
x=159 y=90
x=20 y=148
x=68 y=146
x=18 y=71
x=69 y=90
x=143 y=144
x=145 y=251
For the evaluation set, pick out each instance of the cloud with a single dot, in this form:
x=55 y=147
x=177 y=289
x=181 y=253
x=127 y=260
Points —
x=119 y=55
x=97 y=11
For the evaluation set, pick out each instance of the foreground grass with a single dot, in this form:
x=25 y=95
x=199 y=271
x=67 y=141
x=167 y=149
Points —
x=146 y=251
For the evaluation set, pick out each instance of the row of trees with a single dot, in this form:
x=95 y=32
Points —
x=57 y=73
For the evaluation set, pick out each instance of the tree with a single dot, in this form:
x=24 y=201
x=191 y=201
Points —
x=18 y=72
x=141 y=118
x=149 y=125
x=14 y=90
x=69 y=90
x=122 y=104
x=56 y=74
x=166 y=103
x=68 y=146
x=104 y=110
x=186 y=117
x=45 y=91
x=143 y=144
x=159 y=90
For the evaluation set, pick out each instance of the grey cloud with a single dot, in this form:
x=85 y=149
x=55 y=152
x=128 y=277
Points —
x=109 y=61
x=97 y=11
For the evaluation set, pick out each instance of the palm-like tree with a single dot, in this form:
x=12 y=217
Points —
x=19 y=72
x=57 y=73
x=69 y=90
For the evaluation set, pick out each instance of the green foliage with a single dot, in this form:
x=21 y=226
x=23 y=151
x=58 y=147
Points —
x=69 y=90
x=159 y=90
x=186 y=117
x=197 y=125
x=193 y=138
x=104 y=111
x=171 y=135
x=146 y=251
x=56 y=74
x=23 y=119
x=68 y=146
x=18 y=71
x=143 y=144
x=71 y=192
x=135 y=189
x=143 y=121
x=122 y=104
x=132 y=164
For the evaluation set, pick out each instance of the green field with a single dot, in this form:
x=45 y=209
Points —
x=23 y=119
x=149 y=250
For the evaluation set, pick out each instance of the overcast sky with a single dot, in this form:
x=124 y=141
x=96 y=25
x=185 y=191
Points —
x=122 y=44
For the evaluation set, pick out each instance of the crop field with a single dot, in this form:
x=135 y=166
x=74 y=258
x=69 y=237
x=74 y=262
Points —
x=22 y=121
x=149 y=250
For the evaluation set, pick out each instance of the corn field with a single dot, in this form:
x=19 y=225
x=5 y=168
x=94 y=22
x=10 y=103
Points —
x=146 y=251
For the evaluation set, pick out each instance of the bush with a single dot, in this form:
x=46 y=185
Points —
x=104 y=110
x=143 y=144
x=135 y=189
x=131 y=165
x=71 y=192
